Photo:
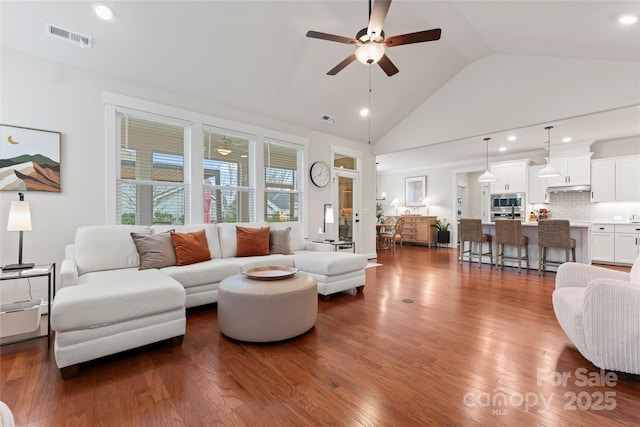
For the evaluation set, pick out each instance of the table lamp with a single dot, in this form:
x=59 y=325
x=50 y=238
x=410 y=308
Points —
x=19 y=220
x=328 y=217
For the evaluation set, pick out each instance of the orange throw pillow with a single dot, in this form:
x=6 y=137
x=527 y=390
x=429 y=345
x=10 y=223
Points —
x=191 y=247
x=252 y=241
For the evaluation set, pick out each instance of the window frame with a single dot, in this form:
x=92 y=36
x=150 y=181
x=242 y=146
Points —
x=184 y=185
x=193 y=157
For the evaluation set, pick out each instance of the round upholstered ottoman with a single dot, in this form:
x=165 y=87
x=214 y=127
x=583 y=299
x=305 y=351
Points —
x=267 y=310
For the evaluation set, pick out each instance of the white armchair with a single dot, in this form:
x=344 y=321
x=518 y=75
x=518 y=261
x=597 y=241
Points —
x=599 y=310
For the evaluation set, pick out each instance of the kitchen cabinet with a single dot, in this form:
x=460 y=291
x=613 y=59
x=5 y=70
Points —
x=627 y=243
x=576 y=170
x=615 y=179
x=628 y=179
x=537 y=186
x=603 y=180
x=511 y=177
x=603 y=243
x=418 y=229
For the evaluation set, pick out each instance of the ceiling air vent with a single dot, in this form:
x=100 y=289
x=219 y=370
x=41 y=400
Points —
x=327 y=119
x=71 y=36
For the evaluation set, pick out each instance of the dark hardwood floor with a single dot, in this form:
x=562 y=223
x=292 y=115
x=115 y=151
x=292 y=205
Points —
x=429 y=342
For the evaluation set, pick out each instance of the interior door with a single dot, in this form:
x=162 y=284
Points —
x=348 y=216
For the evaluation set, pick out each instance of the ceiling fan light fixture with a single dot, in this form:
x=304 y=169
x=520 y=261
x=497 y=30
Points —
x=225 y=151
x=369 y=52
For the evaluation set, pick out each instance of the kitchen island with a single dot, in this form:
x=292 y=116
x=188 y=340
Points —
x=579 y=231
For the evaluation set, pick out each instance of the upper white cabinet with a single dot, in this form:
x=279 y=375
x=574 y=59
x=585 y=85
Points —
x=511 y=177
x=576 y=170
x=628 y=179
x=603 y=180
x=537 y=186
x=615 y=179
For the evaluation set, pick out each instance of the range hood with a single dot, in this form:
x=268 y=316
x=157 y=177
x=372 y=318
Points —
x=568 y=188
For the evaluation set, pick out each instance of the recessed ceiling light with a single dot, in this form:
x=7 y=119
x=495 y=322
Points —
x=364 y=112
x=502 y=149
x=512 y=138
x=566 y=139
x=104 y=12
x=628 y=19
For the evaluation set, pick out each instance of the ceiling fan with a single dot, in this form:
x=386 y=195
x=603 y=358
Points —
x=370 y=42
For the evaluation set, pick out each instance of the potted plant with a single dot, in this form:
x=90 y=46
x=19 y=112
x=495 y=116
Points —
x=379 y=213
x=443 y=234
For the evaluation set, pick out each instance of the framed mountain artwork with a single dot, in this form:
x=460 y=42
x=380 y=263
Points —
x=29 y=159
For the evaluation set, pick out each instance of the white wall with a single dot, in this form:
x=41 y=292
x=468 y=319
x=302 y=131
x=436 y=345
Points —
x=438 y=190
x=501 y=92
x=42 y=94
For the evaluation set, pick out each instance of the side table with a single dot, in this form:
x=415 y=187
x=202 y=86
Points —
x=48 y=271
x=339 y=244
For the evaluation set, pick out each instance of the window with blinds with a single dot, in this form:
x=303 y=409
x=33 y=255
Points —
x=228 y=189
x=151 y=186
x=282 y=166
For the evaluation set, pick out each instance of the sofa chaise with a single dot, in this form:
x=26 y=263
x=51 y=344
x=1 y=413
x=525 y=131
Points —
x=106 y=304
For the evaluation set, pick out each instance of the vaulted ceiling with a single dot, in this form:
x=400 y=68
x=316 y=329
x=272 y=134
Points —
x=253 y=55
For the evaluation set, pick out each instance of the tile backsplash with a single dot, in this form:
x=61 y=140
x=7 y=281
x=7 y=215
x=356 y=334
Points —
x=577 y=207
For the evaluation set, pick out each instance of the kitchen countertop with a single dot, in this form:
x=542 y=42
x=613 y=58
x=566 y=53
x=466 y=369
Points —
x=535 y=224
x=616 y=222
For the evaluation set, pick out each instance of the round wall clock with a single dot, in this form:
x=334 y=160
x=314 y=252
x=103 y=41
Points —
x=320 y=174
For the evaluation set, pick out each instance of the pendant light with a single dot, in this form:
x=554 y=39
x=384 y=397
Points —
x=549 y=171
x=487 y=176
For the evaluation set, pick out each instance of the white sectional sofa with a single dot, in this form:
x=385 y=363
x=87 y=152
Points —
x=105 y=304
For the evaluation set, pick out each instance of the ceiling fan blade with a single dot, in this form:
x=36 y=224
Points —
x=331 y=37
x=387 y=66
x=378 y=15
x=419 y=37
x=348 y=60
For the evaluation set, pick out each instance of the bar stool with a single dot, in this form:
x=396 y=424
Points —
x=509 y=232
x=470 y=230
x=554 y=233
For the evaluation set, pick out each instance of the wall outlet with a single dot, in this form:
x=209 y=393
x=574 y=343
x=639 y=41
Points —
x=617 y=217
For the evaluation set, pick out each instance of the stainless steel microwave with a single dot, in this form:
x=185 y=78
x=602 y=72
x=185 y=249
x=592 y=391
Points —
x=502 y=202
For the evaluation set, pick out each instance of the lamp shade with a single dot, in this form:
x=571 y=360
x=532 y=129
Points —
x=19 y=216
x=549 y=172
x=487 y=177
x=369 y=52
x=328 y=215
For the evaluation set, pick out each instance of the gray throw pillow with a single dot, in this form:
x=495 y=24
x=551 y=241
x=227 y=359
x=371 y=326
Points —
x=154 y=250
x=280 y=241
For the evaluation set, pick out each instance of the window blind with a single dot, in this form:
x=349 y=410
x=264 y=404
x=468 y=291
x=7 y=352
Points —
x=151 y=180
x=282 y=163
x=228 y=190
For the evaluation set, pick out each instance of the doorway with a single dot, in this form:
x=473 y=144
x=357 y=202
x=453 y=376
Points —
x=348 y=217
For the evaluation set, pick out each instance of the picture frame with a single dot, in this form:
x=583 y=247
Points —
x=415 y=190
x=29 y=159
